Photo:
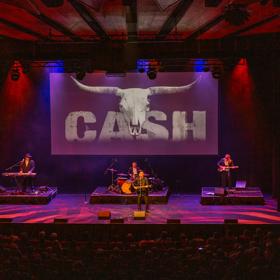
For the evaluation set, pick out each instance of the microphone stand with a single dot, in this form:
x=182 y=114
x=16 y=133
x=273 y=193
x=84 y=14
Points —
x=112 y=173
x=12 y=166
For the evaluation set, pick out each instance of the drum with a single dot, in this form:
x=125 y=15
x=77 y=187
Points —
x=126 y=187
x=121 y=180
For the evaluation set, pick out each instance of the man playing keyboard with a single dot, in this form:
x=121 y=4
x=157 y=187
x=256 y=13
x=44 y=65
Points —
x=27 y=165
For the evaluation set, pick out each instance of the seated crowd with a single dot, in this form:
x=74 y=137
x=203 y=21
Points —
x=246 y=255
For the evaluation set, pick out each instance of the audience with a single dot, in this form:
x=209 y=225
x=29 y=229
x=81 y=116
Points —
x=249 y=255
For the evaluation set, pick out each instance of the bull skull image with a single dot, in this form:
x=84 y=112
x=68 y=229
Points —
x=134 y=102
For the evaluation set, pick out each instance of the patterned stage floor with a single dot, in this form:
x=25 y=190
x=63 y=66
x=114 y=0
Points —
x=184 y=207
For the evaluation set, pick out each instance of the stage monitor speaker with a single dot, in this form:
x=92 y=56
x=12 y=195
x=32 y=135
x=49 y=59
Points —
x=60 y=221
x=139 y=215
x=241 y=184
x=117 y=221
x=173 y=221
x=230 y=221
x=53 y=3
x=212 y=3
x=6 y=220
x=219 y=191
x=104 y=215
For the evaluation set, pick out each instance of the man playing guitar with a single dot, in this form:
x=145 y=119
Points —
x=141 y=186
x=225 y=165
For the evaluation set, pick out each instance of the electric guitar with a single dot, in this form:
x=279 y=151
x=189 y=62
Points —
x=227 y=168
x=142 y=187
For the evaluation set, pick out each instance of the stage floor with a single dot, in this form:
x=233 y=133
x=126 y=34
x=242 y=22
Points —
x=184 y=207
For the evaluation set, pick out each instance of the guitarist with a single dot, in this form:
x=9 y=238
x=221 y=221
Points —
x=142 y=181
x=225 y=165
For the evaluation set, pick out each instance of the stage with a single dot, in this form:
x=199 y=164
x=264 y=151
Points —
x=102 y=196
x=187 y=208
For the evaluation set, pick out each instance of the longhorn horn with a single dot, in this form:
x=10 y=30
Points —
x=93 y=89
x=171 y=90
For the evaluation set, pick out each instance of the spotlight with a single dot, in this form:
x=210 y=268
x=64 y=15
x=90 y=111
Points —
x=15 y=74
x=80 y=75
x=236 y=14
x=25 y=67
x=216 y=73
x=152 y=74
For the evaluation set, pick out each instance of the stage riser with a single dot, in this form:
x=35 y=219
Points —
x=126 y=200
x=102 y=196
x=248 y=196
x=232 y=201
x=41 y=198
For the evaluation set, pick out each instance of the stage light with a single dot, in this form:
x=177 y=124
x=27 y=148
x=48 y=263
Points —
x=148 y=65
x=15 y=74
x=25 y=66
x=152 y=74
x=216 y=72
x=80 y=75
x=236 y=14
x=199 y=65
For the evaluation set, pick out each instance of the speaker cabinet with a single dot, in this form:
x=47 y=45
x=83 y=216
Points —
x=60 y=221
x=117 y=221
x=104 y=215
x=173 y=221
x=219 y=191
x=230 y=221
x=6 y=220
x=139 y=215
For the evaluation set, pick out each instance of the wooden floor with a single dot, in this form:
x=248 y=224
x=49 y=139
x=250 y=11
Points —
x=76 y=209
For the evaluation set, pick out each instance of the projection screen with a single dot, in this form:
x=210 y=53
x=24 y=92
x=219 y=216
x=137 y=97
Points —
x=175 y=114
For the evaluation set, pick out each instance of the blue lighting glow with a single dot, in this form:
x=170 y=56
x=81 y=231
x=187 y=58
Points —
x=199 y=65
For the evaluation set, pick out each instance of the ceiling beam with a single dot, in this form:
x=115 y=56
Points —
x=99 y=51
x=174 y=18
x=204 y=28
x=24 y=29
x=253 y=26
x=59 y=27
x=131 y=18
x=89 y=19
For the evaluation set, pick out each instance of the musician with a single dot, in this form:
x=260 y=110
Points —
x=27 y=165
x=141 y=180
x=133 y=170
x=224 y=165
